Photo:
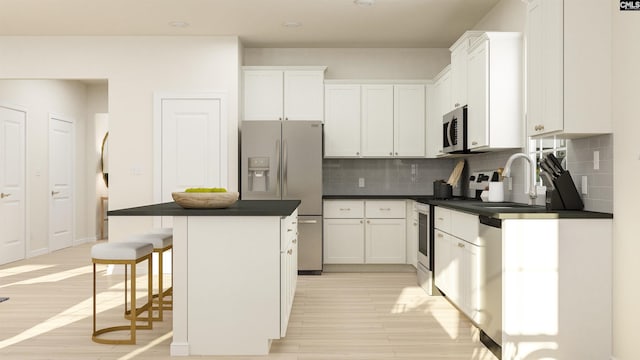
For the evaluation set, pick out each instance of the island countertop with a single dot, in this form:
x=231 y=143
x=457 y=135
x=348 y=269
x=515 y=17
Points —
x=240 y=208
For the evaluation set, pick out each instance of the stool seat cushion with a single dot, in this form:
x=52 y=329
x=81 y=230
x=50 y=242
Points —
x=121 y=250
x=159 y=241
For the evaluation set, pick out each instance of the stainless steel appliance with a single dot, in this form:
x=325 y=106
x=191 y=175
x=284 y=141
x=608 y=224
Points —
x=454 y=131
x=490 y=321
x=283 y=160
x=425 y=249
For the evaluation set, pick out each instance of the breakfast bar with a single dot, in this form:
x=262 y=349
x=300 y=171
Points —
x=234 y=274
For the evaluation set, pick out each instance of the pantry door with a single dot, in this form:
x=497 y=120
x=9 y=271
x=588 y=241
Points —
x=12 y=184
x=194 y=147
x=61 y=189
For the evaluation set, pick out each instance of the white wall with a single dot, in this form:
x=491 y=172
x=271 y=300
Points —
x=97 y=126
x=626 y=170
x=506 y=15
x=135 y=67
x=360 y=63
x=39 y=98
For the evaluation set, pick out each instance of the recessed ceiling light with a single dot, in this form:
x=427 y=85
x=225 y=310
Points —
x=291 y=24
x=179 y=24
x=364 y=2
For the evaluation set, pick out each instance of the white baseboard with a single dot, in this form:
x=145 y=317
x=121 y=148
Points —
x=89 y=239
x=179 y=349
x=34 y=253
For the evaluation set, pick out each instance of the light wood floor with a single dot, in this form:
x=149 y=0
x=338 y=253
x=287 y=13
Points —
x=335 y=316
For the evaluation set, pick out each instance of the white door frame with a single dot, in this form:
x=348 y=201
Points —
x=158 y=97
x=27 y=182
x=70 y=120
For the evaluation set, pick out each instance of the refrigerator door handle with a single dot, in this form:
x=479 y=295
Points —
x=286 y=161
x=278 y=155
x=307 y=221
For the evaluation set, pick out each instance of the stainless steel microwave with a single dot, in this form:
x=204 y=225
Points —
x=454 y=131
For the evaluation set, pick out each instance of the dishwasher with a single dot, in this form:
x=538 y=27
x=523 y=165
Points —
x=490 y=321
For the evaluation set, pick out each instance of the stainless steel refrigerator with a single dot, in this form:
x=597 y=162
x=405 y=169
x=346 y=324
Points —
x=283 y=160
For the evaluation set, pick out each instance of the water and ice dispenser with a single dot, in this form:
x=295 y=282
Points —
x=258 y=173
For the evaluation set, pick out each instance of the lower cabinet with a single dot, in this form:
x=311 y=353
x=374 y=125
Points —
x=456 y=265
x=288 y=268
x=364 y=232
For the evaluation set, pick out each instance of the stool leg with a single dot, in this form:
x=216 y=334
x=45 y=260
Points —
x=160 y=290
x=94 y=298
x=150 y=293
x=134 y=311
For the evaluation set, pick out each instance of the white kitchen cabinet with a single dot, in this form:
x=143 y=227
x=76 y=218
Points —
x=412 y=233
x=377 y=237
x=377 y=120
x=568 y=68
x=456 y=264
x=288 y=268
x=438 y=104
x=342 y=120
x=409 y=120
x=343 y=241
x=494 y=100
x=281 y=93
x=459 y=69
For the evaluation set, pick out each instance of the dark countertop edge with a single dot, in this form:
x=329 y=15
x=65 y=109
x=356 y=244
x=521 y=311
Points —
x=538 y=212
x=240 y=208
x=377 y=197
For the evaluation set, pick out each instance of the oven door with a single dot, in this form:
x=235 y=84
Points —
x=423 y=240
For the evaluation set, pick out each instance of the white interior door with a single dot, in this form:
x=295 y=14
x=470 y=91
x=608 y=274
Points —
x=193 y=148
x=12 y=185
x=61 y=170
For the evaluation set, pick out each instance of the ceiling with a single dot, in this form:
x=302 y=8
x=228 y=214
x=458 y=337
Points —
x=258 y=23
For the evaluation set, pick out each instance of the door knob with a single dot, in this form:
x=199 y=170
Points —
x=3 y=195
x=54 y=192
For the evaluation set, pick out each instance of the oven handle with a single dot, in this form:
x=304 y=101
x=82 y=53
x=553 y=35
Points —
x=449 y=132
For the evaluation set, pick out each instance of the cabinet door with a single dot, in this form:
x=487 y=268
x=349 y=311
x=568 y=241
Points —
x=343 y=241
x=342 y=121
x=377 y=120
x=409 y=120
x=385 y=241
x=478 y=96
x=438 y=101
x=442 y=261
x=303 y=95
x=263 y=94
x=545 y=74
x=458 y=76
x=468 y=278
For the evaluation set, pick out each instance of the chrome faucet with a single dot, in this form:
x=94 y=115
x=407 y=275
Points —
x=532 y=182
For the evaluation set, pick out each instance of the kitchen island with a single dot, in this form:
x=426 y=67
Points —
x=234 y=274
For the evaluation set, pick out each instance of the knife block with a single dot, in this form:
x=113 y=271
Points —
x=562 y=193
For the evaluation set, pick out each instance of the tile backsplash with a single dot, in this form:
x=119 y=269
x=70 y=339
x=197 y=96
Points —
x=416 y=176
x=384 y=176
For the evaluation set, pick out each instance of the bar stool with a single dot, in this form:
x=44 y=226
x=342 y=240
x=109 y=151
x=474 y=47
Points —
x=127 y=254
x=162 y=241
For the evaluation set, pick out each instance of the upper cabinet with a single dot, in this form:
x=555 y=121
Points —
x=283 y=93
x=568 y=68
x=438 y=104
x=375 y=120
x=459 y=64
x=494 y=100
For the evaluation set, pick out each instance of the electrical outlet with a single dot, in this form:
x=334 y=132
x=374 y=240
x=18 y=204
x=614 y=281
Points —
x=361 y=182
x=596 y=160
x=584 y=187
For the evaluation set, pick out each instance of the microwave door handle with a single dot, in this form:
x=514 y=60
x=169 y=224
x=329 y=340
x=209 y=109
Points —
x=449 y=133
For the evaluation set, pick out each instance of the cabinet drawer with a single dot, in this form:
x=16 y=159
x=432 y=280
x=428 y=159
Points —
x=465 y=226
x=442 y=219
x=344 y=209
x=381 y=209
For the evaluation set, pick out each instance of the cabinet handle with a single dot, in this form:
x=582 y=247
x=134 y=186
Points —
x=308 y=221
x=293 y=223
x=289 y=230
x=345 y=209
x=289 y=251
x=460 y=245
x=286 y=119
x=361 y=222
x=440 y=235
x=391 y=153
x=415 y=223
x=358 y=153
x=279 y=119
x=294 y=241
x=54 y=192
x=385 y=209
x=396 y=154
x=441 y=219
x=3 y=195
x=456 y=105
x=539 y=127
x=474 y=143
x=368 y=222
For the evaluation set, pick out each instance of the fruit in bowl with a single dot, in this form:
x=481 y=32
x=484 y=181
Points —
x=205 y=198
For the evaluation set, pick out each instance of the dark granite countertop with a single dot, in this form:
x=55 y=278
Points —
x=240 y=208
x=503 y=210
